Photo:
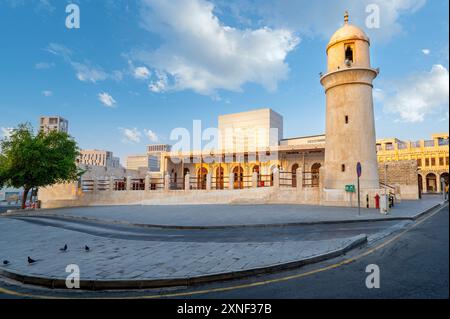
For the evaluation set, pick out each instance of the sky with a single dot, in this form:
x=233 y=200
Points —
x=135 y=70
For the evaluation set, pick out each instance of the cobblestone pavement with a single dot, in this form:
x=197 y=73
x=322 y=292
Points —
x=111 y=259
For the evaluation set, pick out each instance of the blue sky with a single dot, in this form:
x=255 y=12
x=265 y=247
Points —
x=136 y=69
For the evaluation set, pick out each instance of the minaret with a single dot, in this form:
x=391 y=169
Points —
x=350 y=125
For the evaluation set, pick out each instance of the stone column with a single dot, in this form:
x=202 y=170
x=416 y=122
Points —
x=111 y=183
x=322 y=173
x=424 y=183
x=231 y=181
x=208 y=181
x=438 y=184
x=255 y=180
x=187 y=182
x=147 y=182
x=299 y=178
x=129 y=183
x=167 y=182
x=276 y=178
x=94 y=184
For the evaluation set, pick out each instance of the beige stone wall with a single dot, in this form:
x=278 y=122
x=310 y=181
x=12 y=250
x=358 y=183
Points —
x=188 y=197
x=402 y=174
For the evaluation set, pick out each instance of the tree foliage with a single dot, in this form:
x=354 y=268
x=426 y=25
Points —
x=28 y=160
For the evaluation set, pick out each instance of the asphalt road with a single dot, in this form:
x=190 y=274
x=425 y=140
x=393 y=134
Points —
x=228 y=235
x=413 y=264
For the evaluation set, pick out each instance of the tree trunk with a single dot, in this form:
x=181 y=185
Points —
x=24 y=197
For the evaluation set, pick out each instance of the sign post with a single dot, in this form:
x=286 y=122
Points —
x=359 y=172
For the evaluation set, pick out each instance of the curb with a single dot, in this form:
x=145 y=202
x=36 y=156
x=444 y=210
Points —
x=19 y=214
x=56 y=283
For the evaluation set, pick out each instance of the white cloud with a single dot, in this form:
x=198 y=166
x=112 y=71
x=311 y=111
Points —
x=88 y=73
x=160 y=84
x=141 y=73
x=202 y=54
x=47 y=93
x=6 y=131
x=322 y=18
x=418 y=95
x=84 y=71
x=130 y=135
x=107 y=99
x=151 y=136
x=426 y=51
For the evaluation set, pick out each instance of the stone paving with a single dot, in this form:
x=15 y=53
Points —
x=120 y=259
x=226 y=215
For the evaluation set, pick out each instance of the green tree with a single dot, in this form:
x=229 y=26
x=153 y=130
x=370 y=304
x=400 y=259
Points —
x=28 y=160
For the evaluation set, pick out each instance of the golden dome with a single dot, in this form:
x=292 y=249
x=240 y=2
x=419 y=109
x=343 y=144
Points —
x=348 y=32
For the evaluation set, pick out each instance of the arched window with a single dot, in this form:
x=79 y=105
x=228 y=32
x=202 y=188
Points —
x=201 y=178
x=349 y=55
x=238 y=172
x=431 y=183
x=219 y=178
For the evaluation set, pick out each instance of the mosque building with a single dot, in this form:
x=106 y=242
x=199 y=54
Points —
x=254 y=141
x=253 y=162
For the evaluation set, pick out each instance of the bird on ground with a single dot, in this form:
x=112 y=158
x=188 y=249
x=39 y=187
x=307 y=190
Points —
x=6 y=262
x=64 y=248
x=86 y=248
x=31 y=261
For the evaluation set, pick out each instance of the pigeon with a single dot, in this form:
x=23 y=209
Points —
x=64 y=248
x=6 y=262
x=31 y=261
x=86 y=248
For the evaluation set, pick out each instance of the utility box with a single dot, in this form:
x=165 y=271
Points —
x=384 y=204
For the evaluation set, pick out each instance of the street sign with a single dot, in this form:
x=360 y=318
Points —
x=350 y=188
x=359 y=169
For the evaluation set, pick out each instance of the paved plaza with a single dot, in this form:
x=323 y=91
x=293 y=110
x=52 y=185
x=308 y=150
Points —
x=112 y=259
x=235 y=215
x=130 y=253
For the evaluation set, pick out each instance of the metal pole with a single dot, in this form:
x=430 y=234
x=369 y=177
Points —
x=359 y=199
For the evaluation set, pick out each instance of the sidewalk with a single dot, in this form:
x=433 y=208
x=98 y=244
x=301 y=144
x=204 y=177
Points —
x=128 y=262
x=209 y=216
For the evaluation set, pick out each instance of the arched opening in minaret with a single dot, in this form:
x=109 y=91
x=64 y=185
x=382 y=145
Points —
x=349 y=53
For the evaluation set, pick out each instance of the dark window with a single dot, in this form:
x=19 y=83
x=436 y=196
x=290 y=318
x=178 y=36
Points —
x=427 y=162
x=349 y=54
x=441 y=161
x=419 y=162
x=433 y=162
x=343 y=168
x=346 y=119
